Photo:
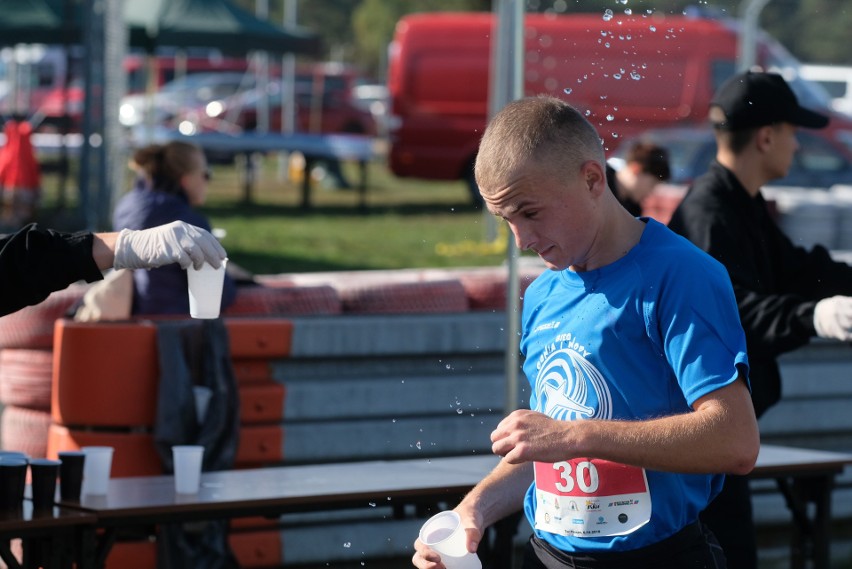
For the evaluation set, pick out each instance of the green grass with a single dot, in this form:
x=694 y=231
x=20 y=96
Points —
x=405 y=224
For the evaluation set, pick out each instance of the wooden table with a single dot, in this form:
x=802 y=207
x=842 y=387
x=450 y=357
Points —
x=805 y=476
x=151 y=500
x=51 y=539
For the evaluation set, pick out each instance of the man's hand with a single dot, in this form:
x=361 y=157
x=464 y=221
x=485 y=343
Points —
x=426 y=558
x=177 y=242
x=525 y=436
x=833 y=318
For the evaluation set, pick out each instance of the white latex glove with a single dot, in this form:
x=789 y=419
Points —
x=833 y=318
x=176 y=242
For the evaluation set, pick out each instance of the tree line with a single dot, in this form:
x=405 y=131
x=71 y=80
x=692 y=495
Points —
x=358 y=31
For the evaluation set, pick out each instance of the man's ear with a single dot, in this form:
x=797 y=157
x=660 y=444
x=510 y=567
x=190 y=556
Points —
x=594 y=175
x=764 y=136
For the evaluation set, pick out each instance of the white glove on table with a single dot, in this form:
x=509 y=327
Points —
x=176 y=242
x=833 y=318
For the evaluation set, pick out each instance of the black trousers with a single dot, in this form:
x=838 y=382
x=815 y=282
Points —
x=730 y=519
x=693 y=547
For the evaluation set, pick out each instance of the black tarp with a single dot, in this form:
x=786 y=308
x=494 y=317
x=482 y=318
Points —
x=154 y=24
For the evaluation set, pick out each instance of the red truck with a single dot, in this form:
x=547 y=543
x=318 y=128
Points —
x=627 y=72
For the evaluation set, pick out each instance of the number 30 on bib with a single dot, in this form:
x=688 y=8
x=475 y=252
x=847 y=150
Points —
x=590 y=498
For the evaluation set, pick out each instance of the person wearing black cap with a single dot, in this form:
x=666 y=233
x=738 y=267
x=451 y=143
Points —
x=785 y=294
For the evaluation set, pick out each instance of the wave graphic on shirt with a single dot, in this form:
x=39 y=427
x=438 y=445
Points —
x=569 y=388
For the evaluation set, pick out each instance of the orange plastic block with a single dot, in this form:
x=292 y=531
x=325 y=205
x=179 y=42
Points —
x=261 y=403
x=104 y=374
x=252 y=370
x=257 y=548
x=260 y=338
x=132 y=555
x=260 y=444
x=134 y=453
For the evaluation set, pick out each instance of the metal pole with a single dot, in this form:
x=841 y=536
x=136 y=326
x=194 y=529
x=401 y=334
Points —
x=507 y=84
x=749 y=14
x=288 y=90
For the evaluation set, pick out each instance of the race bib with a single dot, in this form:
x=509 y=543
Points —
x=590 y=498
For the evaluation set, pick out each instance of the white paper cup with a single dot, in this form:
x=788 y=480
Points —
x=444 y=533
x=187 y=460
x=205 y=290
x=96 y=470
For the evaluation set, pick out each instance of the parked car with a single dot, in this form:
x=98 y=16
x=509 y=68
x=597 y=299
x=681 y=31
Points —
x=323 y=99
x=819 y=162
x=187 y=92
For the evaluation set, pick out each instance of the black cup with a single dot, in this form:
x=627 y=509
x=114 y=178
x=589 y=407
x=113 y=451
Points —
x=71 y=475
x=43 y=474
x=13 y=480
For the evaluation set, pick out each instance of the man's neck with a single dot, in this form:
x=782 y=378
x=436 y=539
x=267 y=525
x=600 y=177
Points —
x=746 y=168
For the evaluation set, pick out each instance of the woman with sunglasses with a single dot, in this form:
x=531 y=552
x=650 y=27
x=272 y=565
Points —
x=171 y=182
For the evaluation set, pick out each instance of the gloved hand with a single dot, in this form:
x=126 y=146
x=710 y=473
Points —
x=176 y=242
x=833 y=318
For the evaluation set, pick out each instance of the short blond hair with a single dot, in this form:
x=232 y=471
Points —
x=543 y=130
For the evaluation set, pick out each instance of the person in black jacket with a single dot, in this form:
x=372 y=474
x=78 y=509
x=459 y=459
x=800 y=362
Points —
x=785 y=294
x=35 y=262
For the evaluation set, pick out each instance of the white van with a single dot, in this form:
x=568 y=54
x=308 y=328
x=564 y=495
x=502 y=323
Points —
x=836 y=80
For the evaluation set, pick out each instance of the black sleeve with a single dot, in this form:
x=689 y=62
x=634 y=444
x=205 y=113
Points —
x=777 y=284
x=35 y=262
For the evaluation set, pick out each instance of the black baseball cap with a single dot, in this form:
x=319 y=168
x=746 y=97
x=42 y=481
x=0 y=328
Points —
x=754 y=98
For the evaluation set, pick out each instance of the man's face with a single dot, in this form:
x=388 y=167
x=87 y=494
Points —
x=783 y=147
x=551 y=214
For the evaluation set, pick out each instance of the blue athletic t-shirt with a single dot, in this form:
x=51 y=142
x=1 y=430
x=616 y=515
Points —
x=641 y=338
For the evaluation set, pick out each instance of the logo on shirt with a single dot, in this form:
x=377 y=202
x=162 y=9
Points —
x=568 y=387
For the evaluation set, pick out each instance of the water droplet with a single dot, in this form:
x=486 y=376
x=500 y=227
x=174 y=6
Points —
x=610 y=118
x=419 y=445
x=622 y=1
x=567 y=90
x=607 y=15
x=635 y=76
x=372 y=504
x=653 y=28
x=615 y=135
x=588 y=112
x=459 y=411
x=347 y=545
x=628 y=11
x=616 y=76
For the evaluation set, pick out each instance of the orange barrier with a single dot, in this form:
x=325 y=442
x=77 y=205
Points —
x=257 y=548
x=134 y=453
x=262 y=403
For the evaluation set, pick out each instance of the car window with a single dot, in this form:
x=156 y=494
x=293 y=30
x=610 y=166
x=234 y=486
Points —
x=817 y=155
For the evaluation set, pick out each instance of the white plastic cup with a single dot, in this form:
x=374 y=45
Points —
x=205 y=290
x=96 y=470
x=187 y=460
x=444 y=533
